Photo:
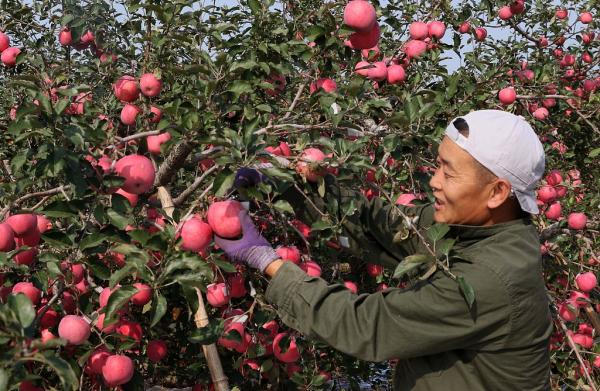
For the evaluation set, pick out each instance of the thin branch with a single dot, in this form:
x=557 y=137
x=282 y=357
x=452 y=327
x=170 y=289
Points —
x=50 y=192
x=577 y=354
x=299 y=94
x=524 y=33
x=191 y=189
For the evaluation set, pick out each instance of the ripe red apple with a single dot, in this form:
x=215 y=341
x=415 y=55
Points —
x=282 y=150
x=138 y=172
x=157 y=115
x=144 y=295
x=129 y=114
x=133 y=198
x=374 y=270
x=88 y=38
x=269 y=329
x=367 y=39
x=217 y=294
x=415 y=48
x=130 y=329
x=395 y=74
x=569 y=59
x=562 y=14
x=352 y=286
x=4 y=42
x=100 y=324
x=586 y=18
x=554 y=178
x=303 y=167
x=74 y=272
x=43 y=224
x=154 y=142
x=223 y=218
x=480 y=33
x=31 y=240
x=29 y=290
x=7 y=237
x=236 y=285
x=23 y=224
x=25 y=257
x=464 y=28
x=117 y=370
x=379 y=72
x=9 y=56
x=584 y=340
x=567 y=313
x=49 y=319
x=156 y=350
x=436 y=29
x=505 y=13
x=97 y=359
x=326 y=84
x=311 y=268
x=507 y=95
x=586 y=281
x=589 y=86
x=577 y=221
x=541 y=113
x=418 y=30
x=360 y=15
x=196 y=235
x=231 y=344
x=587 y=57
x=554 y=210
x=517 y=6
x=362 y=72
x=74 y=329
x=547 y=194
x=291 y=254
x=291 y=355
x=150 y=85
x=126 y=88
x=365 y=53
x=108 y=57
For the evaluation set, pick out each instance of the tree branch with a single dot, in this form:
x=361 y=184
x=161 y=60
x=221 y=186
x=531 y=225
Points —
x=197 y=183
x=173 y=163
x=50 y=192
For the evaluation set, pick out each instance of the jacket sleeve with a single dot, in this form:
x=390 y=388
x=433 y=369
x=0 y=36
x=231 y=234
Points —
x=369 y=233
x=431 y=316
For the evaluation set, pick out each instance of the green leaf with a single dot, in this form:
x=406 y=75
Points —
x=437 y=231
x=208 y=334
x=254 y=6
x=283 y=206
x=120 y=274
x=22 y=306
x=99 y=269
x=595 y=152
x=224 y=266
x=62 y=368
x=447 y=246
x=118 y=219
x=3 y=380
x=116 y=301
x=239 y=87
x=223 y=182
x=159 y=308
x=59 y=209
x=467 y=290
x=412 y=262
x=91 y=241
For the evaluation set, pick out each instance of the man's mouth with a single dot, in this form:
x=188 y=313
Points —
x=438 y=204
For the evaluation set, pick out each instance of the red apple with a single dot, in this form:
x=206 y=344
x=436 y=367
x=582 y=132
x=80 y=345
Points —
x=415 y=48
x=4 y=42
x=367 y=39
x=554 y=210
x=395 y=74
x=311 y=268
x=480 y=33
x=133 y=198
x=362 y=64
x=360 y=15
x=223 y=218
x=586 y=281
x=586 y=18
x=464 y=28
x=577 y=221
x=117 y=370
x=43 y=224
x=365 y=53
x=282 y=150
x=7 y=237
x=218 y=294
x=144 y=295
x=156 y=350
x=567 y=313
x=291 y=355
x=554 y=178
x=517 y=6
x=507 y=96
x=327 y=85
x=74 y=329
x=418 y=30
x=29 y=290
x=379 y=72
x=562 y=14
x=126 y=88
x=154 y=119
x=25 y=257
x=130 y=329
x=129 y=114
x=278 y=81
x=374 y=270
x=272 y=327
x=23 y=224
x=547 y=194
x=138 y=172
x=291 y=254
x=150 y=85
x=9 y=56
x=236 y=285
x=436 y=29
x=231 y=344
x=97 y=359
x=196 y=235
x=352 y=286
x=541 y=113
x=49 y=319
x=74 y=272
x=584 y=340
x=505 y=13
x=154 y=142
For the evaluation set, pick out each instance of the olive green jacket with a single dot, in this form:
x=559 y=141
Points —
x=501 y=343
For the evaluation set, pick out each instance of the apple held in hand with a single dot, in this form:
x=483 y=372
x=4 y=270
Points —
x=223 y=218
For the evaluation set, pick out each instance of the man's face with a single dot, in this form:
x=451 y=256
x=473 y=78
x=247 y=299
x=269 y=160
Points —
x=460 y=197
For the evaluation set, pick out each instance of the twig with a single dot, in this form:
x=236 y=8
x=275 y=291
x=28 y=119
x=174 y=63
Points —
x=50 y=192
x=299 y=94
x=191 y=189
x=6 y=165
x=524 y=33
x=577 y=354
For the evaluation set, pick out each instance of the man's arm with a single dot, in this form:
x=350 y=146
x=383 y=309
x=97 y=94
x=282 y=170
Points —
x=370 y=232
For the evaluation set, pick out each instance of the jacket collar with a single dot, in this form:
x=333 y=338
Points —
x=469 y=232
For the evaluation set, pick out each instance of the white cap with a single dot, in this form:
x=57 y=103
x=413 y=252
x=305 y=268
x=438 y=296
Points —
x=506 y=145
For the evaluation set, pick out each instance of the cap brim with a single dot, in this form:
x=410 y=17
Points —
x=527 y=201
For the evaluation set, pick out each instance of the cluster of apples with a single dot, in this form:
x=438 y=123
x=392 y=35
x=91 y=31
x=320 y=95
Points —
x=9 y=54
x=65 y=38
x=555 y=189
x=127 y=90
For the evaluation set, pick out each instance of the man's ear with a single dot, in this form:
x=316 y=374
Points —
x=500 y=192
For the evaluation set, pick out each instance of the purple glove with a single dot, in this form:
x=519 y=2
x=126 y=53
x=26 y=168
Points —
x=252 y=249
x=250 y=176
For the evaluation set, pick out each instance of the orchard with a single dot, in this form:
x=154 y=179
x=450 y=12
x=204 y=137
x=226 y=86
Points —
x=122 y=127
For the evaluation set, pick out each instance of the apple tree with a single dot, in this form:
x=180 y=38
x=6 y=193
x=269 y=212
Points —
x=123 y=125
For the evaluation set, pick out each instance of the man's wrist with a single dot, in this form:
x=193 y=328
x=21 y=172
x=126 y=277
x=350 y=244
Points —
x=273 y=267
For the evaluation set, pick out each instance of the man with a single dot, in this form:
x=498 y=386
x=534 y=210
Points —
x=488 y=166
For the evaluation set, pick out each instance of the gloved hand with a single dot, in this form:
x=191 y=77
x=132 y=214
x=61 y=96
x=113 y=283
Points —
x=252 y=250
x=250 y=176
